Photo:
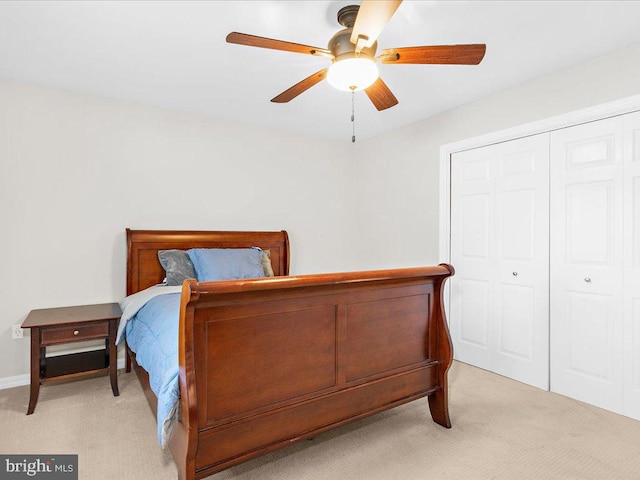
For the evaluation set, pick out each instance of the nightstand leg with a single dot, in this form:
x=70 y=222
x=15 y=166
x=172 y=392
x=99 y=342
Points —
x=35 y=370
x=113 y=358
x=114 y=380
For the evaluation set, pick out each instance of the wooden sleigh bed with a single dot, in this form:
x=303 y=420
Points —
x=270 y=361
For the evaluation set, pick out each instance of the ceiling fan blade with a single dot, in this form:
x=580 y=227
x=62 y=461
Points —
x=372 y=17
x=380 y=95
x=436 y=54
x=301 y=87
x=264 y=42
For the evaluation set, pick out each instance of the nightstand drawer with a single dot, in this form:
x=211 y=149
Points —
x=73 y=333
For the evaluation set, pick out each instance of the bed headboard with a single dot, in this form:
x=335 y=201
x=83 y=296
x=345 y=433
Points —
x=144 y=269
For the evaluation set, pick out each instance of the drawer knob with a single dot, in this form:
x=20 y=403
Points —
x=587 y=279
x=515 y=274
x=76 y=332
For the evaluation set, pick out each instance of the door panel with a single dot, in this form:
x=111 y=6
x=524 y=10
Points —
x=521 y=260
x=471 y=227
x=476 y=169
x=590 y=151
x=475 y=226
x=518 y=164
x=590 y=334
x=589 y=222
x=499 y=247
x=474 y=319
x=586 y=263
x=518 y=211
x=517 y=305
x=632 y=265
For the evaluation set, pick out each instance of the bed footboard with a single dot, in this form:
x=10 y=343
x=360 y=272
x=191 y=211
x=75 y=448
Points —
x=267 y=362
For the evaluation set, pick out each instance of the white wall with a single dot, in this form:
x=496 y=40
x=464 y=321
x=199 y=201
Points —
x=398 y=173
x=76 y=170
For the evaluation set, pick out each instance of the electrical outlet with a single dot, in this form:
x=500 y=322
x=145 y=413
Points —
x=17 y=332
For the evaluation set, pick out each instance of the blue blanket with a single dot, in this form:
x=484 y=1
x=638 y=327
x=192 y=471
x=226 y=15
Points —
x=153 y=335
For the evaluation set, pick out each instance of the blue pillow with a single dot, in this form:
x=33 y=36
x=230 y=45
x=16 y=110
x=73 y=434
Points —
x=226 y=263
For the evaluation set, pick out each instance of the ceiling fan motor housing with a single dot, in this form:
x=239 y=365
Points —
x=341 y=47
x=340 y=44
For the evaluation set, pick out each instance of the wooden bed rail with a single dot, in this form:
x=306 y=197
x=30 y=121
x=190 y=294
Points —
x=323 y=279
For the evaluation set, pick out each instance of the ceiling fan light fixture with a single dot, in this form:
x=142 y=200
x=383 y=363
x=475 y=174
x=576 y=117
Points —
x=352 y=74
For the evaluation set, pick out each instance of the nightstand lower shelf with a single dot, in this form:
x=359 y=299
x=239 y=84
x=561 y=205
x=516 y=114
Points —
x=73 y=365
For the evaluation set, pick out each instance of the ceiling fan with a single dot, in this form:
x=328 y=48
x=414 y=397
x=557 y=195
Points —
x=353 y=53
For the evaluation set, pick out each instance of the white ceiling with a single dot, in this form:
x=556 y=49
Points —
x=174 y=55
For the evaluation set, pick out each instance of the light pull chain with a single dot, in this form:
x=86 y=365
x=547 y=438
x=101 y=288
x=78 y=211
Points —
x=353 y=116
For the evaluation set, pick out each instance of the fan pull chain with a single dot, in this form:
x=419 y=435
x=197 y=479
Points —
x=353 y=116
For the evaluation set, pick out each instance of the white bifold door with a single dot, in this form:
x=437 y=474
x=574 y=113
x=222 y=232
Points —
x=499 y=313
x=545 y=239
x=595 y=263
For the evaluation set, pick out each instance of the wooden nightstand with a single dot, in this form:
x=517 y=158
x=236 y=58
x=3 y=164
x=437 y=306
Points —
x=57 y=326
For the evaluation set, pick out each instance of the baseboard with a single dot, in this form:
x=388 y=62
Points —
x=17 y=381
x=25 y=379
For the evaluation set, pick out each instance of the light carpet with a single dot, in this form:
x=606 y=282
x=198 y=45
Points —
x=502 y=429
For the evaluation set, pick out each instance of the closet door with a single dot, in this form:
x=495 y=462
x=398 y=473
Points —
x=499 y=247
x=632 y=265
x=586 y=262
